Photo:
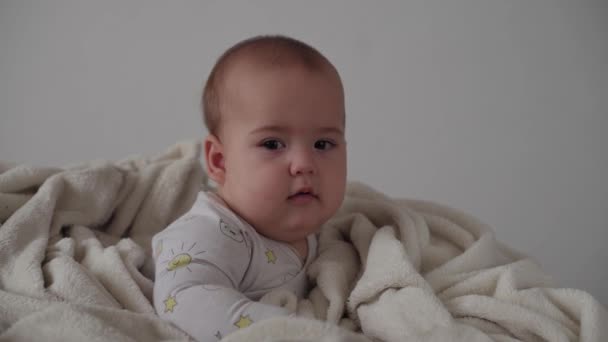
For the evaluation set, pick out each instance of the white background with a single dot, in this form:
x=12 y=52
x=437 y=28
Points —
x=498 y=108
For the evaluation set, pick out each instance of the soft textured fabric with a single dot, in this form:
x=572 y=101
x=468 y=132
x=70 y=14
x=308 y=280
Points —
x=212 y=268
x=76 y=264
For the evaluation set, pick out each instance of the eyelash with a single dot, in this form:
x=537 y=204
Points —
x=329 y=144
x=270 y=144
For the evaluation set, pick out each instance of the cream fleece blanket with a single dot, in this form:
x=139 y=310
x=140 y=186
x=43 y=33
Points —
x=75 y=265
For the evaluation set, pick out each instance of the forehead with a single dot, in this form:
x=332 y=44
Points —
x=292 y=95
x=251 y=67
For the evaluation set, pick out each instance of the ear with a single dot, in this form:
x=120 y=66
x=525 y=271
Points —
x=214 y=159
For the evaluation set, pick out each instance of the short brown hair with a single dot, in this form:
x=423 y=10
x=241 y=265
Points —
x=267 y=50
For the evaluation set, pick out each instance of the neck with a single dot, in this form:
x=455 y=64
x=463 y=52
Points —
x=301 y=248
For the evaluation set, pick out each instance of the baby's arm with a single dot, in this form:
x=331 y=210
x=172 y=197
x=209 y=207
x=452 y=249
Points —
x=200 y=262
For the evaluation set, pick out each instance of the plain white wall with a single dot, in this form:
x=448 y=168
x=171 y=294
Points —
x=495 y=107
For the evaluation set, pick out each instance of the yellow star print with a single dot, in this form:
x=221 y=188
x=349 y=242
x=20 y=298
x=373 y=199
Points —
x=270 y=256
x=243 y=322
x=170 y=303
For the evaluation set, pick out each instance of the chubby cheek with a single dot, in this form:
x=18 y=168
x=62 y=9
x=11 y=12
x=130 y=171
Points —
x=335 y=184
x=263 y=181
x=337 y=197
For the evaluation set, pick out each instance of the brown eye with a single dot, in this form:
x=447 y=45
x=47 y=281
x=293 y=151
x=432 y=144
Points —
x=324 y=145
x=272 y=144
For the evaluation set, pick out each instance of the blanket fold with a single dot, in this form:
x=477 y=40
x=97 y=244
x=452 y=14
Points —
x=75 y=265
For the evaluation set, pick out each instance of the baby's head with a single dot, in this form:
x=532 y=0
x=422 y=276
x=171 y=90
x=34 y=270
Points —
x=274 y=108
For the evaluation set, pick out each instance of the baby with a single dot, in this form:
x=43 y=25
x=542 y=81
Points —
x=274 y=109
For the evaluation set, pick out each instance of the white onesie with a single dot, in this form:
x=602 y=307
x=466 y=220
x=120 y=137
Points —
x=212 y=267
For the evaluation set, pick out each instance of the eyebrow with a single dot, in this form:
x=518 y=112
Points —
x=277 y=128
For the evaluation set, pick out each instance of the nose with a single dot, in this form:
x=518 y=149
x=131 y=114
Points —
x=302 y=162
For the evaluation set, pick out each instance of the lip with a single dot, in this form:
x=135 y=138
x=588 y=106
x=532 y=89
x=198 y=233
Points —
x=303 y=190
x=303 y=195
x=302 y=198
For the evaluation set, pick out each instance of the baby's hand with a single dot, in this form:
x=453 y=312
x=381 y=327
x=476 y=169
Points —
x=305 y=309
x=283 y=298
x=288 y=300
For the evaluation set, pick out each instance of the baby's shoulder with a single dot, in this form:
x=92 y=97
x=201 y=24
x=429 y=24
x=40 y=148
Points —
x=205 y=220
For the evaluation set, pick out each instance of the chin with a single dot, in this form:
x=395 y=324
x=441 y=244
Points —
x=300 y=231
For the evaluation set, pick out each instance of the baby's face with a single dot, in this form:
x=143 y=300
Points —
x=284 y=150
